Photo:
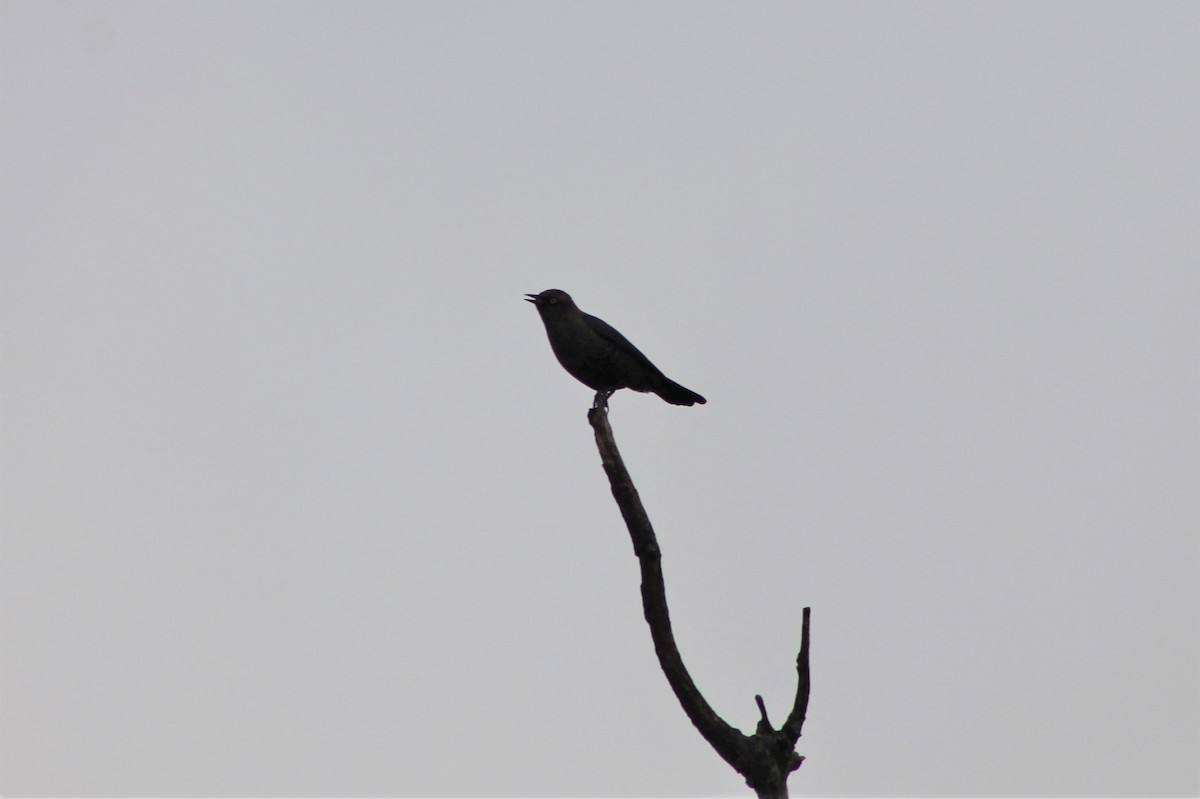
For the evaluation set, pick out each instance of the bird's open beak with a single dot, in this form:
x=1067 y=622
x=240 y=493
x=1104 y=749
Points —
x=531 y=298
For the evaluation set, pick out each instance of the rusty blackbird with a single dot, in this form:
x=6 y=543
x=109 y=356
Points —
x=600 y=357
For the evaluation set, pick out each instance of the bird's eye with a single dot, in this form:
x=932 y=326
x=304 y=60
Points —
x=552 y=301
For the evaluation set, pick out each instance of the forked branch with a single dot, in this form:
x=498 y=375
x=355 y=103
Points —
x=765 y=758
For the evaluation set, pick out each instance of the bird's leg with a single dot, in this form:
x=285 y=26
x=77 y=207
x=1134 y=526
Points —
x=601 y=400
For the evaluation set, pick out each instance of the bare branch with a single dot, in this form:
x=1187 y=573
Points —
x=721 y=736
x=766 y=758
x=791 y=728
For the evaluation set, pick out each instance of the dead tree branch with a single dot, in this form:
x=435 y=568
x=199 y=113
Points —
x=765 y=758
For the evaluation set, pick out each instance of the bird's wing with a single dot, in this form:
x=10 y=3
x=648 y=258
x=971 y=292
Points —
x=610 y=334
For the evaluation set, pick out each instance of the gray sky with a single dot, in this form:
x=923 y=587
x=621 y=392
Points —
x=297 y=501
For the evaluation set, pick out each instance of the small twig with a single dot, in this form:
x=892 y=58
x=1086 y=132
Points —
x=764 y=723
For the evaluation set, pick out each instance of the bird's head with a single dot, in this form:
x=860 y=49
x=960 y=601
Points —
x=552 y=302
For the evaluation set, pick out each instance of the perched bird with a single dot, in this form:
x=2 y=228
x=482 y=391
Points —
x=600 y=357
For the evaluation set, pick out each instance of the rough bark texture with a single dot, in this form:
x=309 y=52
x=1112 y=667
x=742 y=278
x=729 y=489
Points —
x=765 y=758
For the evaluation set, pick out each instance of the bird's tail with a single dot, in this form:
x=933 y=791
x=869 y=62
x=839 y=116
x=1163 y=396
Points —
x=676 y=394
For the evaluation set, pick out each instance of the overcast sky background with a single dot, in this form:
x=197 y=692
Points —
x=297 y=501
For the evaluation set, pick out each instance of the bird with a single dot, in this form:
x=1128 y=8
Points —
x=595 y=354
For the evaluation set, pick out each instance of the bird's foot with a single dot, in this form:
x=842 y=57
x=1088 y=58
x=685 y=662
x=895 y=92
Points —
x=600 y=403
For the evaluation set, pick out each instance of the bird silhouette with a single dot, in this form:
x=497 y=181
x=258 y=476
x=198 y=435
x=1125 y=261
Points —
x=592 y=351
